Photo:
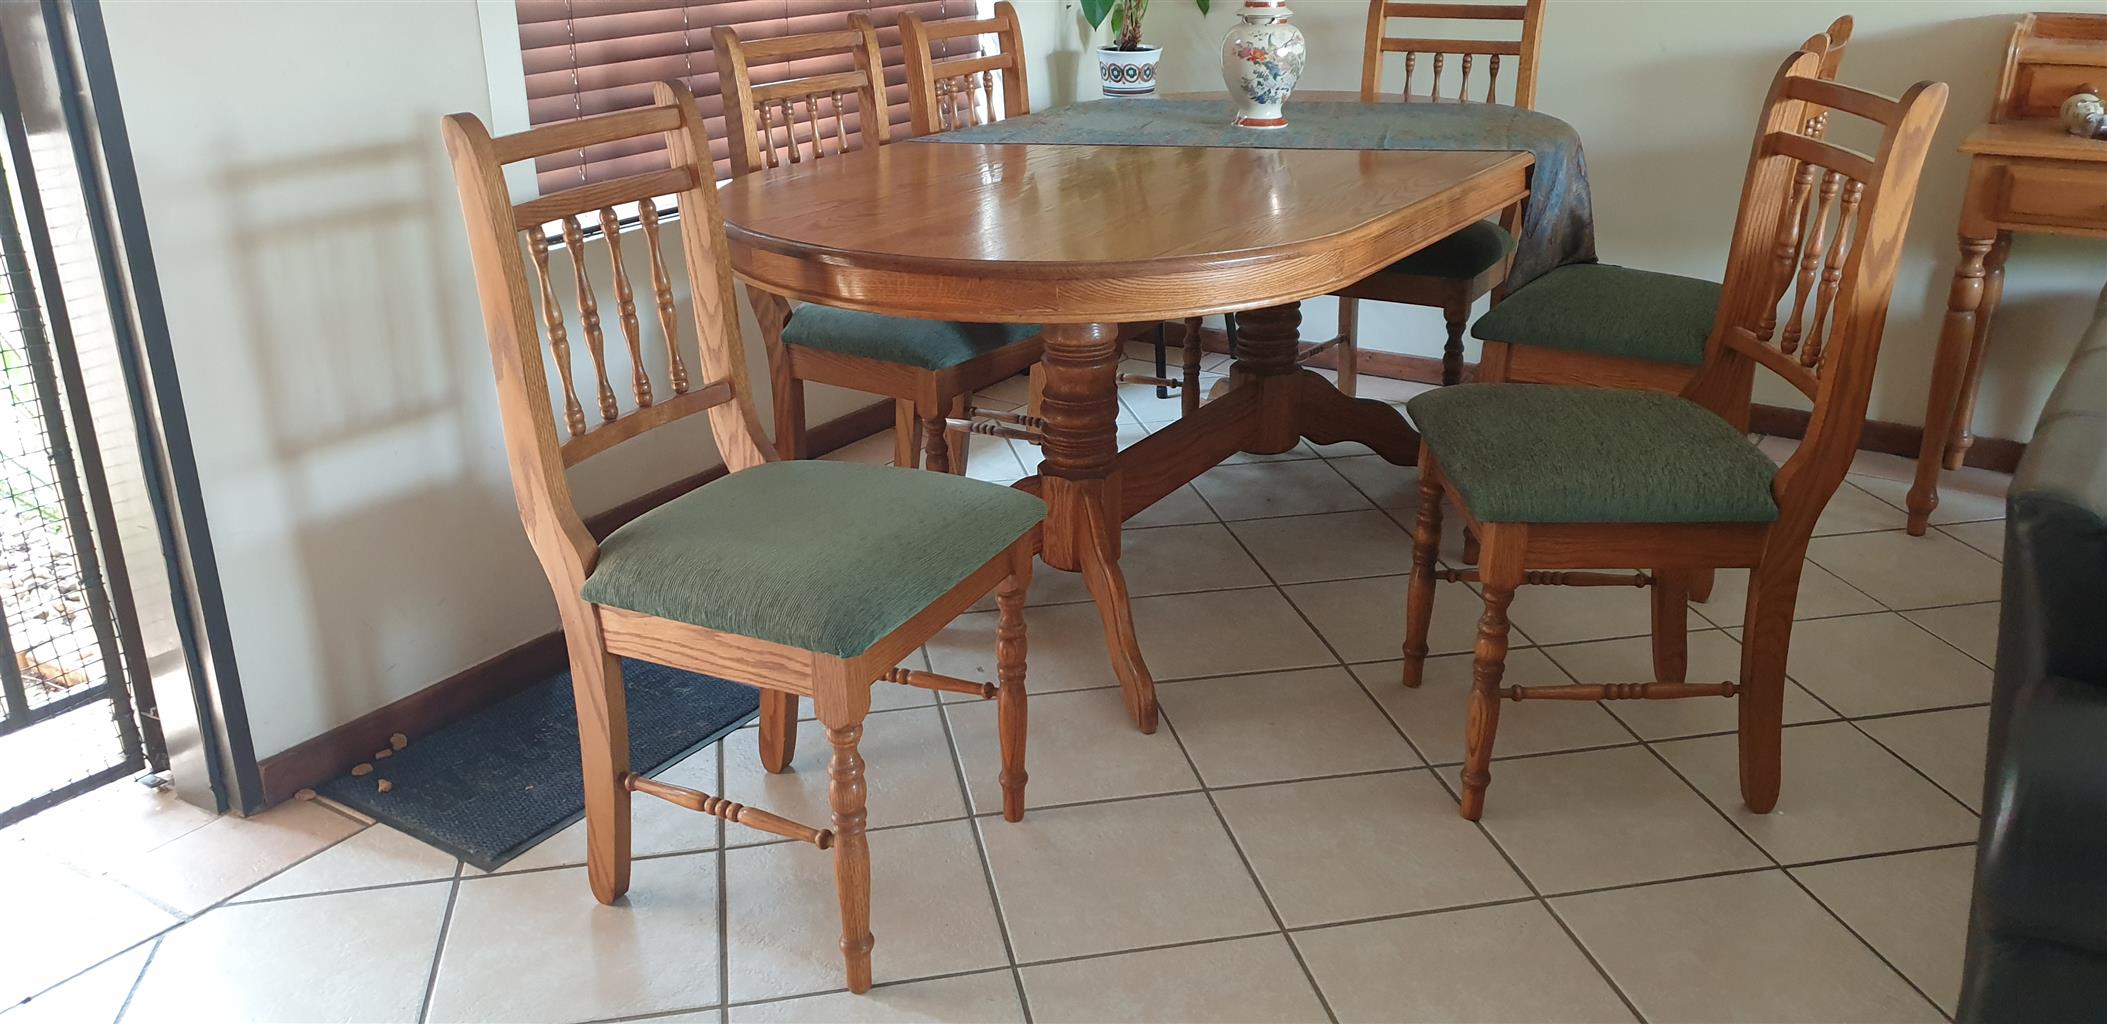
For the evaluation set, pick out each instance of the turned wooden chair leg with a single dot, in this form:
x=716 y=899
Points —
x=1011 y=716
x=1189 y=396
x=1671 y=625
x=852 y=852
x=1766 y=637
x=1457 y=312
x=603 y=751
x=1500 y=572
x=1349 y=353
x=1470 y=547
x=958 y=442
x=907 y=435
x=1035 y=390
x=789 y=416
x=778 y=730
x=1419 y=595
x=936 y=446
x=1701 y=584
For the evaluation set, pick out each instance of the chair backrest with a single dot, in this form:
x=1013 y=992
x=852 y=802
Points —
x=959 y=92
x=514 y=316
x=789 y=119
x=1521 y=50
x=1830 y=220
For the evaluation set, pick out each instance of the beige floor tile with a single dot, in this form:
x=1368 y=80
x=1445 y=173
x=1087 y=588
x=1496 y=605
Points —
x=930 y=912
x=1282 y=725
x=1308 y=487
x=986 y=998
x=907 y=772
x=1987 y=536
x=1821 y=596
x=1902 y=571
x=1079 y=746
x=1107 y=877
x=992 y=459
x=1012 y=392
x=1364 y=846
x=1852 y=509
x=1389 y=486
x=61 y=922
x=1970 y=627
x=1949 y=747
x=1155 y=560
x=1714 y=657
x=655 y=826
x=1510 y=963
x=1965 y=495
x=207 y=865
x=876 y=450
x=377 y=856
x=1182 y=636
x=1912 y=907
x=516 y=947
x=1432 y=714
x=109 y=827
x=1874 y=664
x=1842 y=796
x=347 y=956
x=1606 y=817
x=1364 y=620
x=1179 y=507
x=1140 y=399
x=1746 y=947
x=1563 y=615
x=1242 y=980
x=92 y=997
x=1341 y=545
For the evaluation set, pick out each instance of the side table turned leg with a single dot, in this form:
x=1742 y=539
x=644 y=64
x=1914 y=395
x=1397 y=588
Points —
x=1961 y=435
x=1956 y=340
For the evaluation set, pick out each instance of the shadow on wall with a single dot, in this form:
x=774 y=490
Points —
x=375 y=419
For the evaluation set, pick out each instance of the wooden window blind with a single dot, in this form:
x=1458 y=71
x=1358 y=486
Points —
x=596 y=56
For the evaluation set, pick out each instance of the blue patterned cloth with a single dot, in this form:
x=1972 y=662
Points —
x=1558 y=225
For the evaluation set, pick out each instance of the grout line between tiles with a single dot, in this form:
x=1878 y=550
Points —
x=132 y=991
x=446 y=921
x=980 y=846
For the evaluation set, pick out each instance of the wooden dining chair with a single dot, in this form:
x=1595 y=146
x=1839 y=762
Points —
x=804 y=579
x=1450 y=274
x=1614 y=326
x=1560 y=482
x=929 y=368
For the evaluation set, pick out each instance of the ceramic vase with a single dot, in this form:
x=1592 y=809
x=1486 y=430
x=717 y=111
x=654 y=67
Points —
x=1261 y=59
x=1128 y=72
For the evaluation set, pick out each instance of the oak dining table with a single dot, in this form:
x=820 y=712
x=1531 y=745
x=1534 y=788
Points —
x=1084 y=238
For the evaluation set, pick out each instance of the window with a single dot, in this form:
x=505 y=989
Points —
x=586 y=57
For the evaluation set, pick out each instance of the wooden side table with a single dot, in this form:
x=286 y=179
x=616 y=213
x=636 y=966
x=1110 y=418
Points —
x=2027 y=174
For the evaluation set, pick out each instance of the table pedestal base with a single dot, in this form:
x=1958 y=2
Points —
x=1091 y=487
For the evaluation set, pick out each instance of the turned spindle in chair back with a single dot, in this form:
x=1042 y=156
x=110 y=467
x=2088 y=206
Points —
x=1515 y=58
x=801 y=118
x=960 y=92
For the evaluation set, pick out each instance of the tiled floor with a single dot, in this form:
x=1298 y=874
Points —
x=1286 y=847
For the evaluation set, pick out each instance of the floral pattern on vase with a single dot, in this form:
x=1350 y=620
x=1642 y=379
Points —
x=1261 y=59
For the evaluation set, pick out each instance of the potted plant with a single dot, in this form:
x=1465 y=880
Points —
x=1127 y=66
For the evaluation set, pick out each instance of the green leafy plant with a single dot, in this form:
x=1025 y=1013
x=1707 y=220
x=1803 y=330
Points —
x=1125 y=16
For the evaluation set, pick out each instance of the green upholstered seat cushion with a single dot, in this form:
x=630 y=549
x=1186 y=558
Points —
x=1608 y=310
x=1534 y=453
x=929 y=344
x=829 y=557
x=1467 y=253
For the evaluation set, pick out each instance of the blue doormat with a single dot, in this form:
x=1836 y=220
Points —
x=489 y=786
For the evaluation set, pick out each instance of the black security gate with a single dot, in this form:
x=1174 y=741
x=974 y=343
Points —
x=76 y=710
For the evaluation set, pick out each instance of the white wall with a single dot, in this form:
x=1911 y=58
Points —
x=325 y=325
x=1664 y=98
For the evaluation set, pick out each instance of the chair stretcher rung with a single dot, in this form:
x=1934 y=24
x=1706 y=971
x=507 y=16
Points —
x=934 y=681
x=1621 y=691
x=1557 y=579
x=1153 y=381
x=992 y=429
x=1311 y=351
x=717 y=806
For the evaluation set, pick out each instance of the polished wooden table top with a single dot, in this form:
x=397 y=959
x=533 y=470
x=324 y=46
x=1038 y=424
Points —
x=1103 y=233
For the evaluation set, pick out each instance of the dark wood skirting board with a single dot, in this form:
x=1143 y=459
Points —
x=334 y=752
x=1997 y=454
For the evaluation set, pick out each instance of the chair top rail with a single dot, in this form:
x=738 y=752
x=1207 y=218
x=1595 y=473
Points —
x=936 y=30
x=1471 y=12
x=583 y=132
x=792 y=88
x=810 y=44
x=1869 y=105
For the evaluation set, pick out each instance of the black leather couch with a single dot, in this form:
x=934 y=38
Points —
x=2037 y=934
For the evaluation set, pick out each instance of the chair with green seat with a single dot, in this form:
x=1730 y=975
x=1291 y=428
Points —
x=930 y=369
x=1610 y=326
x=803 y=579
x=1563 y=482
x=1451 y=274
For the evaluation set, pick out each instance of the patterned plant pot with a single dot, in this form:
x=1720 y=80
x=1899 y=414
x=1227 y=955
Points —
x=1261 y=59
x=1128 y=72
